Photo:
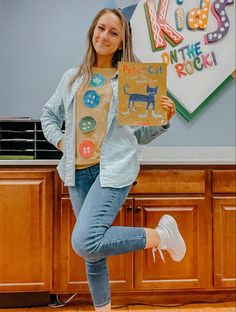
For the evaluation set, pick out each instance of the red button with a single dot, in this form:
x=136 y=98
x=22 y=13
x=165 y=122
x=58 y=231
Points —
x=86 y=149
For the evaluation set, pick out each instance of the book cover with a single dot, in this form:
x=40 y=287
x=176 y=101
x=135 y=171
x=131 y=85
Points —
x=140 y=87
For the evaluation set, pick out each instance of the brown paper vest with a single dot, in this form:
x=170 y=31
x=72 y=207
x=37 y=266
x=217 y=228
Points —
x=140 y=87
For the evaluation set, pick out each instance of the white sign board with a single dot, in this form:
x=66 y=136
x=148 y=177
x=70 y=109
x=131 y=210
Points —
x=197 y=41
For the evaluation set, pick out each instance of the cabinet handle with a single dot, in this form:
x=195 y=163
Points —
x=129 y=208
x=138 y=208
x=135 y=182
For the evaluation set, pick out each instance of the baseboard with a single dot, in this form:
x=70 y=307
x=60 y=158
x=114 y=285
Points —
x=22 y=300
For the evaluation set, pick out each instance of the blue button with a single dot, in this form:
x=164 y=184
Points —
x=91 y=99
x=97 y=80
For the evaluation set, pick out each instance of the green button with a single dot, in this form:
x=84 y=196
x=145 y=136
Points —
x=87 y=124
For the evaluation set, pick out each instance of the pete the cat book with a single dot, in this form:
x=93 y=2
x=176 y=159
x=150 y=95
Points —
x=140 y=87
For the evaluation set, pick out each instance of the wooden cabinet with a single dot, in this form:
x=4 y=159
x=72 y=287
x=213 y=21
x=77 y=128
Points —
x=191 y=272
x=224 y=241
x=72 y=267
x=224 y=228
x=26 y=206
x=179 y=193
x=36 y=223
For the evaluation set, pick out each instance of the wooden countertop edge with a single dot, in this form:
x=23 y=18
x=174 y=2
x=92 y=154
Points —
x=150 y=155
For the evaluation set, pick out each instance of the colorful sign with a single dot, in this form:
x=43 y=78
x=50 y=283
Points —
x=196 y=39
x=140 y=88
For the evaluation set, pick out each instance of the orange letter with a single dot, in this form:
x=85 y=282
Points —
x=198 y=17
x=125 y=67
x=179 y=68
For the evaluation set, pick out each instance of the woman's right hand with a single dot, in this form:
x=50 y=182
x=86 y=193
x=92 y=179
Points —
x=60 y=145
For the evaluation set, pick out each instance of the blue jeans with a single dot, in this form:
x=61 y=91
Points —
x=93 y=237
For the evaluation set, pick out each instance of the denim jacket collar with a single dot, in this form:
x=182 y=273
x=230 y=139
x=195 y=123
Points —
x=73 y=91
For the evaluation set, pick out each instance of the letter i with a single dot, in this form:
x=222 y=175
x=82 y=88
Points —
x=179 y=18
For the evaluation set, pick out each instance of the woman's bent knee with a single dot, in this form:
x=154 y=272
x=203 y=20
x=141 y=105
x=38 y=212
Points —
x=85 y=244
x=79 y=244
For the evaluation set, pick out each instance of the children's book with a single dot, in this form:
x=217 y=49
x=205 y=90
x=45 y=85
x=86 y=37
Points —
x=140 y=87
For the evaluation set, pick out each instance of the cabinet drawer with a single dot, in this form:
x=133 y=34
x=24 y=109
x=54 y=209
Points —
x=223 y=181
x=170 y=181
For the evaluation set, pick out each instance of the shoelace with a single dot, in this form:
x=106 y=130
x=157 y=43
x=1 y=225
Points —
x=154 y=249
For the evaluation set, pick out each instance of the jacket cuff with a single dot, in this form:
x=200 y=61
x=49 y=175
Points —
x=56 y=138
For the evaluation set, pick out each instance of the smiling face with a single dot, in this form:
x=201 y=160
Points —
x=107 y=36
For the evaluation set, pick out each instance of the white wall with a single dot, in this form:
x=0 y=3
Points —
x=41 y=39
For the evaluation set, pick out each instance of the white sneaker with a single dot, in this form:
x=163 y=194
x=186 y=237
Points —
x=170 y=239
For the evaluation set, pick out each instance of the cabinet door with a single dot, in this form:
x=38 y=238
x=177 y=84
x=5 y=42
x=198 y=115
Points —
x=72 y=267
x=224 y=241
x=194 y=221
x=26 y=206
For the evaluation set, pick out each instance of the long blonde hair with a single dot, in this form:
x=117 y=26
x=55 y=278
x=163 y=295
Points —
x=125 y=54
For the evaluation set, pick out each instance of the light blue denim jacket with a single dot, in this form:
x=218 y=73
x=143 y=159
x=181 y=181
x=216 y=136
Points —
x=119 y=164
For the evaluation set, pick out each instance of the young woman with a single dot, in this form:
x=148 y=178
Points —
x=99 y=162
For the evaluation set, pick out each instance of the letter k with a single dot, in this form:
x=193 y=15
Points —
x=159 y=30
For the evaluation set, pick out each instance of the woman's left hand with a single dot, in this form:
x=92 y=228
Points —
x=168 y=105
